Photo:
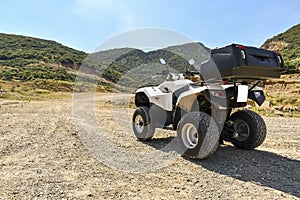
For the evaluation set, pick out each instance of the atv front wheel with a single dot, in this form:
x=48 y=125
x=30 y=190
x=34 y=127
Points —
x=141 y=124
x=250 y=127
x=198 y=135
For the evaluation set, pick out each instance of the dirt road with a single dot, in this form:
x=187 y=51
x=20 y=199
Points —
x=43 y=156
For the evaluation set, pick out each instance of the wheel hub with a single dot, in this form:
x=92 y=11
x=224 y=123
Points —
x=189 y=136
x=243 y=130
x=139 y=124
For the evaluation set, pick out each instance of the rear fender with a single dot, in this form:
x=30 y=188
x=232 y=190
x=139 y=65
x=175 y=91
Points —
x=186 y=99
x=257 y=96
x=186 y=103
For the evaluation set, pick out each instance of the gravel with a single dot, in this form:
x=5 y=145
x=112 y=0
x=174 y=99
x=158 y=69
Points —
x=44 y=154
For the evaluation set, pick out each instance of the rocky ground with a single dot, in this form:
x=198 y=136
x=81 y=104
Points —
x=47 y=152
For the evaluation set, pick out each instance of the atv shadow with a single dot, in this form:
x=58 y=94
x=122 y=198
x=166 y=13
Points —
x=262 y=167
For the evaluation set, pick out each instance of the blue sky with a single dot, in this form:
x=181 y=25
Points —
x=85 y=24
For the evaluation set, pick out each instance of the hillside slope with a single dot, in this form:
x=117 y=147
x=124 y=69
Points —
x=29 y=64
x=288 y=43
x=283 y=94
x=137 y=60
x=17 y=50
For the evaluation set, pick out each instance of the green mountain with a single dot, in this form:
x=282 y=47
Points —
x=19 y=51
x=134 y=67
x=29 y=64
x=288 y=43
x=176 y=56
x=25 y=59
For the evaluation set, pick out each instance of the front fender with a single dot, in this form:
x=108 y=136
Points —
x=257 y=96
x=155 y=96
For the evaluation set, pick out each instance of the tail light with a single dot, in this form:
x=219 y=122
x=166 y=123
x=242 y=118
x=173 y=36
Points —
x=220 y=93
x=241 y=47
x=224 y=81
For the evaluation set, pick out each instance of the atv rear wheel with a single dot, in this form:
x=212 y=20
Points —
x=250 y=127
x=198 y=135
x=141 y=124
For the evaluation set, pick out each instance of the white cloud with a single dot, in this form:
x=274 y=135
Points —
x=116 y=12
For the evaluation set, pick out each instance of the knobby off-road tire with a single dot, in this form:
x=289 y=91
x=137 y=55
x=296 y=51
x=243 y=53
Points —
x=197 y=135
x=141 y=124
x=251 y=129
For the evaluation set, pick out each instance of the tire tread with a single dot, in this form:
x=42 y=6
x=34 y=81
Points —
x=258 y=126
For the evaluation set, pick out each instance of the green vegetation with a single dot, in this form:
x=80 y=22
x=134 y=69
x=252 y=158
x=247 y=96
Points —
x=37 y=67
x=48 y=65
x=288 y=43
x=19 y=51
x=135 y=66
x=35 y=72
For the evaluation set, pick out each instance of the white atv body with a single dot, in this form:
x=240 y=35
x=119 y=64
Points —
x=201 y=113
x=185 y=106
x=162 y=95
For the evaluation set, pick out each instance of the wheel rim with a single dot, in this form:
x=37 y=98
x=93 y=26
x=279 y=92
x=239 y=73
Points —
x=189 y=135
x=243 y=130
x=139 y=124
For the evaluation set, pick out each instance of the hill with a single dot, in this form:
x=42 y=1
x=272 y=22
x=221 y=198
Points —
x=133 y=67
x=176 y=56
x=31 y=65
x=19 y=51
x=288 y=43
x=39 y=64
x=283 y=93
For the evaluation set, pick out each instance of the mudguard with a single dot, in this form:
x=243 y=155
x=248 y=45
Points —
x=257 y=96
x=157 y=97
x=186 y=99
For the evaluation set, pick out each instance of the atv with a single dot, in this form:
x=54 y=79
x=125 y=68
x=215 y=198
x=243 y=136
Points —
x=202 y=112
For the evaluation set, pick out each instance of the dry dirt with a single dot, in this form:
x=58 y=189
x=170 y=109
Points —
x=43 y=157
